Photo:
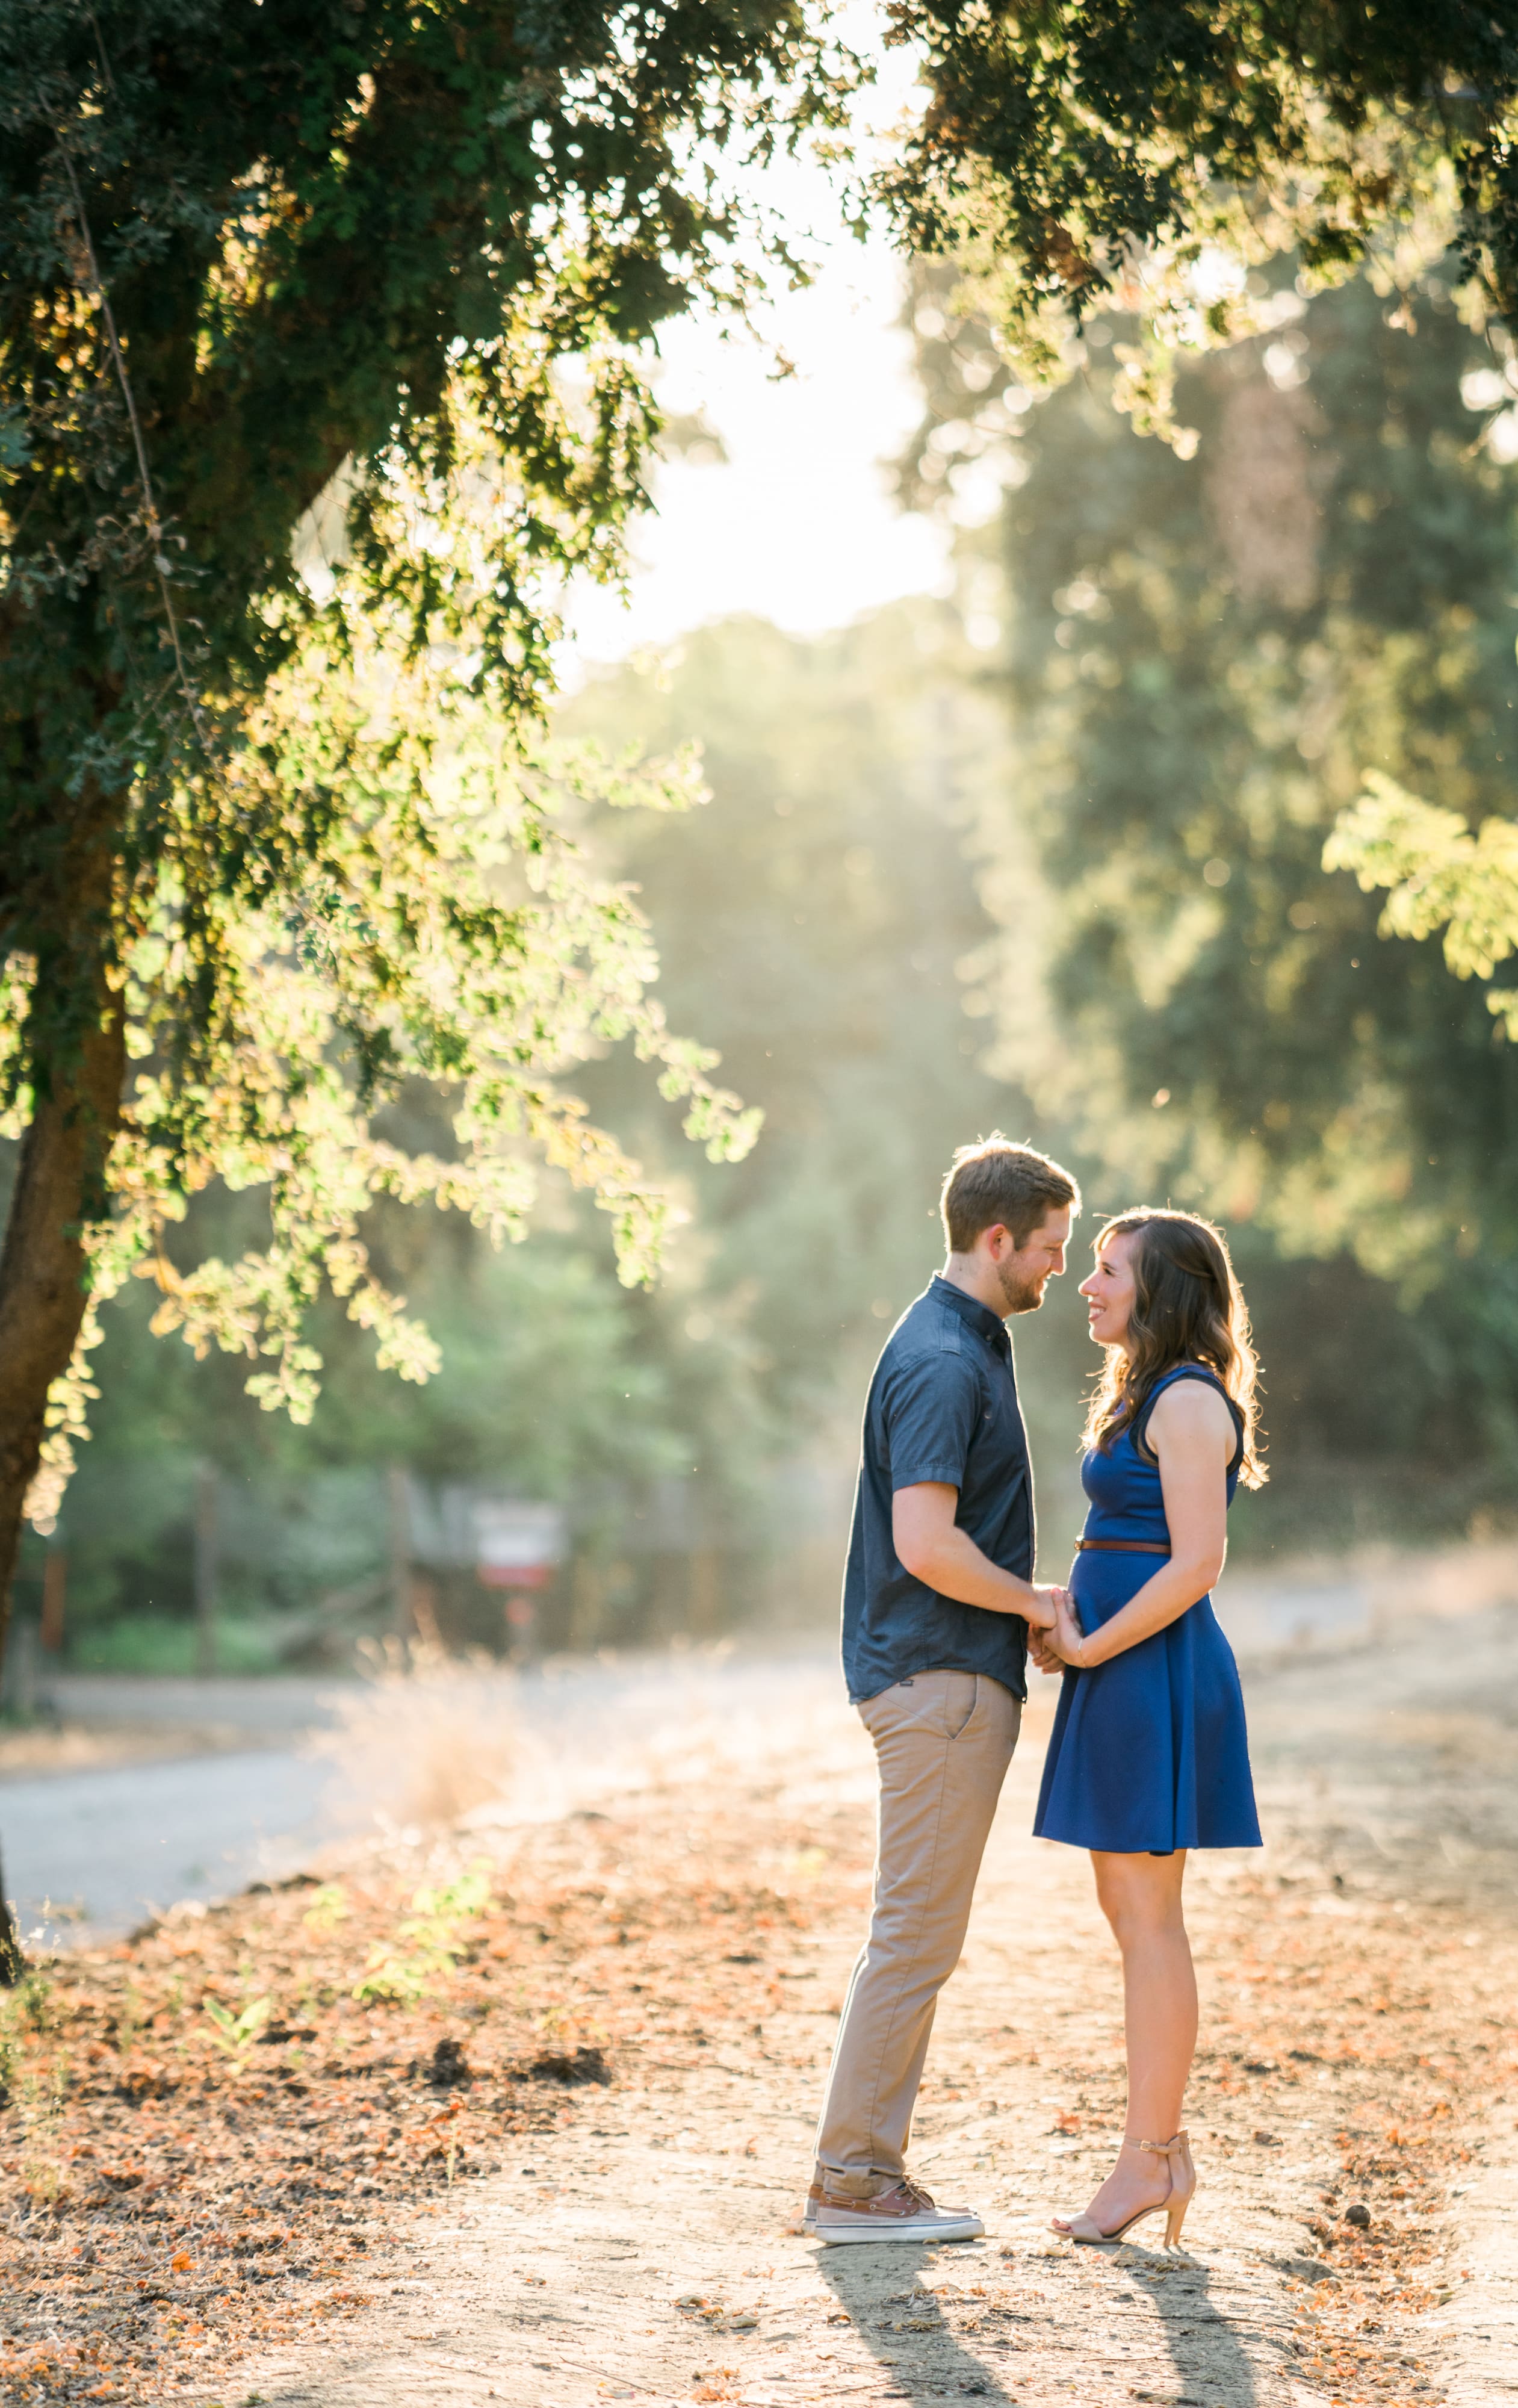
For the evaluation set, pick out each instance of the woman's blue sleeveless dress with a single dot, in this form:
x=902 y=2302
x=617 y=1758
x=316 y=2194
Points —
x=1150 y=1753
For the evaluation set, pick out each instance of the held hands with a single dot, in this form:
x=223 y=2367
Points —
x=1067 y=1640
x=1063 y=1643
x=1042 y=1613
x=1042 y=1652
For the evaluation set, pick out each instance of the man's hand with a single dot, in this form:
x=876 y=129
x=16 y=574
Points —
x=1044 y=1613
x=1043 y=1636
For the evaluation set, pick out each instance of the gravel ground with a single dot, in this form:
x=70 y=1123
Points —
x=1354 y=2108
x=320 y=2220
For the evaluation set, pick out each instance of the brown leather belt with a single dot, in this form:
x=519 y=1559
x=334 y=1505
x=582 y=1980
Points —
x=1124 y=1546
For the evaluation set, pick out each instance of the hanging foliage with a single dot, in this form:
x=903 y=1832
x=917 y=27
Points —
x=1090 y=155
x=324 y=334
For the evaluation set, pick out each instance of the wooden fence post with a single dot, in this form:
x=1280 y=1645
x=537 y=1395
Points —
x=398 y=1500
x=54 y=1591
x=206 y=1570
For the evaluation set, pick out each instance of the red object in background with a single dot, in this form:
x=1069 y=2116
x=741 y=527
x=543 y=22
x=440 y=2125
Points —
x=516 y=1575
x=519 y=1546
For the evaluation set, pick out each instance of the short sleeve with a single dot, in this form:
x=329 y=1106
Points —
x=930 y=1407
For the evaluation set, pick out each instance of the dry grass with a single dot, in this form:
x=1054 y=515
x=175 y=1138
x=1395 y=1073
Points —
x=432 y=1740
x=427 y=1737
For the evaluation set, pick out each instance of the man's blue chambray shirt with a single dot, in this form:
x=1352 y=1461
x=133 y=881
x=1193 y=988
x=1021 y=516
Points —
x=942 y=1406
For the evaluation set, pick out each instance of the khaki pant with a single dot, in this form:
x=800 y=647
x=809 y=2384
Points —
x=943 y=1742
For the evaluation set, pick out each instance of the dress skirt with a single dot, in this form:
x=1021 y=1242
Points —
x=1150 y=1751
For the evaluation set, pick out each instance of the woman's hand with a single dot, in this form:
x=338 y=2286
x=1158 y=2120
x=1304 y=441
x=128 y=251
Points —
x=1067 y=1640
x=1041 y=1654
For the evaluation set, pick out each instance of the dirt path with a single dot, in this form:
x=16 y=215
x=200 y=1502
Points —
x=1354 y=2108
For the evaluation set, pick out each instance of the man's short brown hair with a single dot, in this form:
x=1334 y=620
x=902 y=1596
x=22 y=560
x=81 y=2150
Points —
x=995 y=1181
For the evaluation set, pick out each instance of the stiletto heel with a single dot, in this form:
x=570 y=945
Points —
x=1182 y=2173
x=1182 y=2185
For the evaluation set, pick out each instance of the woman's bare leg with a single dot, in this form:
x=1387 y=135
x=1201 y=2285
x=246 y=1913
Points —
x=1141 y=1896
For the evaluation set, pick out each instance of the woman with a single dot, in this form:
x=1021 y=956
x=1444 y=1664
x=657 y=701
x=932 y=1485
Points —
x=1150 y=1757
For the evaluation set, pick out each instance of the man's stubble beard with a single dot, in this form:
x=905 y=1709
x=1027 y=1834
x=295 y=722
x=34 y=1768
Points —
x=1021 y=1295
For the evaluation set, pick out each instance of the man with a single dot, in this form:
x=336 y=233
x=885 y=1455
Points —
x=936 y=1599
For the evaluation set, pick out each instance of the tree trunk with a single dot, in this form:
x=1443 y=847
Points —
x=12 y=1955
x=42 y=1295
x=42 y=1281
x=207 y=1497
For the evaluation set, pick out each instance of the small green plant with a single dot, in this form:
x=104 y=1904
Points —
x=327 y=1909
x=129 y=2019
x=236 y=2034
x=33 y=1997
x=40 y=2102
x=436 y=1928
x=10 y=2046
x=25 y=2013
x=464 y=1900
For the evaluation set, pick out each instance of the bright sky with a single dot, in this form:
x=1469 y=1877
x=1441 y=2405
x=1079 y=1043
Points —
x=798 y=525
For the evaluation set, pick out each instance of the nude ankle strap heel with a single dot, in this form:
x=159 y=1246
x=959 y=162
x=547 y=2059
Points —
x=1182 y=2173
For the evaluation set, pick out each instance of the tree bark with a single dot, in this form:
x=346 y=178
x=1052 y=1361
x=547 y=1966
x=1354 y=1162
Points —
x=12 y=1955
x=42 y=1294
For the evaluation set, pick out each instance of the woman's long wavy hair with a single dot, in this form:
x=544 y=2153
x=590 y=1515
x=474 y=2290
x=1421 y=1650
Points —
x=1187 y=1308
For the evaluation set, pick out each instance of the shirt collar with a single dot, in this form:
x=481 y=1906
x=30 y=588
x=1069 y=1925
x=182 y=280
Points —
x=988 y=1325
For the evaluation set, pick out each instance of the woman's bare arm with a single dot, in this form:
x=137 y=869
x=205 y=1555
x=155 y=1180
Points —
x=1190 y=1433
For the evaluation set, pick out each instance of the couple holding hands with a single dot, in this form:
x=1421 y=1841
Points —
x=1149 y=1756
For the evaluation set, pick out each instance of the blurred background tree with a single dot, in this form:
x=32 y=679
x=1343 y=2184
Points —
x=1285 y=242
x=1201 y=658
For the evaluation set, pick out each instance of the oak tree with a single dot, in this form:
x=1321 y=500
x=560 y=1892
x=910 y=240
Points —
x=323 y=336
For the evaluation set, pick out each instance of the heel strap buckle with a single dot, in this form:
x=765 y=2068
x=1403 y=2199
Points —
x=1161 y=2148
